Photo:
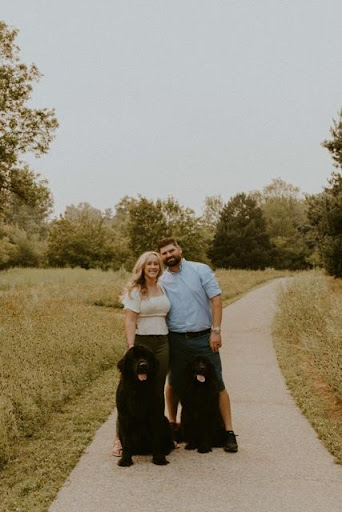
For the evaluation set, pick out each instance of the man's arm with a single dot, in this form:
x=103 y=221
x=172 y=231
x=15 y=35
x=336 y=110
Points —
x=216 y=312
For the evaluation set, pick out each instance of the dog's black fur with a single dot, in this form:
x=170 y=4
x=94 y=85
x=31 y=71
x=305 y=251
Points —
x=143 y=428
x=201 y=422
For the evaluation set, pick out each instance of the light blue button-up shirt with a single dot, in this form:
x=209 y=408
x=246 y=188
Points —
x=189 y=292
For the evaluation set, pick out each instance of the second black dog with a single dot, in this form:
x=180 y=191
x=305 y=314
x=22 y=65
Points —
x=201 y=423
x=143 y=428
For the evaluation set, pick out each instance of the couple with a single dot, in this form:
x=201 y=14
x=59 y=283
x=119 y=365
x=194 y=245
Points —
x=178 y=311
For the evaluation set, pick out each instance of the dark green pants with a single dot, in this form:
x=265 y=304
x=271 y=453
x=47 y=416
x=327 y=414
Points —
x=159 y=345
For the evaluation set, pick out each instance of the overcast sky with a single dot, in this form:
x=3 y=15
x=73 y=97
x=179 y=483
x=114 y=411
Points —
x=187 y=98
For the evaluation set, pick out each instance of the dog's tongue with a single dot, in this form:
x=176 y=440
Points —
x=142 y=376
x=200 y=378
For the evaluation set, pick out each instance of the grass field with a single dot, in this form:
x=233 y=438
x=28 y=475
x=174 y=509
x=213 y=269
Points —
x=61 y=334
x=308 y=341
x=55 y=341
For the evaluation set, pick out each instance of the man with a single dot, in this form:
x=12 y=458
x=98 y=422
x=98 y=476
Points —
x=194 y=323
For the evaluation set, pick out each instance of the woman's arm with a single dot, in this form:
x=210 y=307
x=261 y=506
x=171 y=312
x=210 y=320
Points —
x=130 y=326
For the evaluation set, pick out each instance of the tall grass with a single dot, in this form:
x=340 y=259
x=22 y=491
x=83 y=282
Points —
x=53 y=343
x=87 y=286
x=308 y=340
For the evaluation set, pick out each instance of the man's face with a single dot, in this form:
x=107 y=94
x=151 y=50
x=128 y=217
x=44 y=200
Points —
x=171 y=255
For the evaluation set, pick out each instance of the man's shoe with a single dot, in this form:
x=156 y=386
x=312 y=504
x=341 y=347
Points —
x=230 y=444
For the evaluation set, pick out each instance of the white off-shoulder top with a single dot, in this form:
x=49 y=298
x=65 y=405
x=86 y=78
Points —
x=151 y=311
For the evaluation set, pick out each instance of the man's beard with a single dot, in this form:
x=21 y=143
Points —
x=173 y=261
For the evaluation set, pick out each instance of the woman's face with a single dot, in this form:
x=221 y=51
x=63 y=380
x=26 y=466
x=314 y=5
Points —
x=152 y=268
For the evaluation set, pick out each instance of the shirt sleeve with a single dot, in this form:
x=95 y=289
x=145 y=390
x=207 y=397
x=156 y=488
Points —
x=132 y=301
x=209 y=281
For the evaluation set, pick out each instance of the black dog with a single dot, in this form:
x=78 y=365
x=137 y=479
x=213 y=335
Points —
x=143 y=428
x=201 y=422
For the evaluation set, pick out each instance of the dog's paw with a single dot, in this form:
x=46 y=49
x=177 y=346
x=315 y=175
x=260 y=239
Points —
x=125 y=462
x=204 y=449
x=190 y=446
x=160 y=460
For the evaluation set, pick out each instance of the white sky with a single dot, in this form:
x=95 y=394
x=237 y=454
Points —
x=187 y=98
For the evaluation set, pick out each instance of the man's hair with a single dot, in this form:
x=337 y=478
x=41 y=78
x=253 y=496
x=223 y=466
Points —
x=167 y=241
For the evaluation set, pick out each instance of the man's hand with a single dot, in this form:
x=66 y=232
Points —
x=215 y=341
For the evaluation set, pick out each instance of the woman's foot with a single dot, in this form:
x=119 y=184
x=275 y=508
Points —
x=117 y=448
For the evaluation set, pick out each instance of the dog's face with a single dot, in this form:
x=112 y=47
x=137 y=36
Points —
x=139 y=363
x=201 y=369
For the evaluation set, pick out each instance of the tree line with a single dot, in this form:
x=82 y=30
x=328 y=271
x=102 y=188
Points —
x=276 y=227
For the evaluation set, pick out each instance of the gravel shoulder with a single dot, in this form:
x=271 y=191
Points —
x=281 y=465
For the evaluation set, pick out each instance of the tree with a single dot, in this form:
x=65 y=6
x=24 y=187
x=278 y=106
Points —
x=22 y=129
x=23 y=249
x=81 y=238
x=325 y=217
x=334 y=145
x=182 y=224
x=122 y=215
x=213 y=206
x=285 y=212
x=146 y=225
x=325 y=209
x=241 y=240
x=7 y=248
x=150 y=221
x=30 y=216
x=25 y=224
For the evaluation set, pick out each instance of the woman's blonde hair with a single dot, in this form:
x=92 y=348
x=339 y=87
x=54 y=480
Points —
x=137 y=279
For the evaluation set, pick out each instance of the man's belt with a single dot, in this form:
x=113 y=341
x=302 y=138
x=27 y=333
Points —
x=196 y=334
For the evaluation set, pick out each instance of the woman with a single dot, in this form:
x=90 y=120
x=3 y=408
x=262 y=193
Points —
x=146 y=306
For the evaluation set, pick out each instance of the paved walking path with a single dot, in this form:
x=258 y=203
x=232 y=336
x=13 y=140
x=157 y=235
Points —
x=281 y=466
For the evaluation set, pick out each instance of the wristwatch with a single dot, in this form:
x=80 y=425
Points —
x=216 y=330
